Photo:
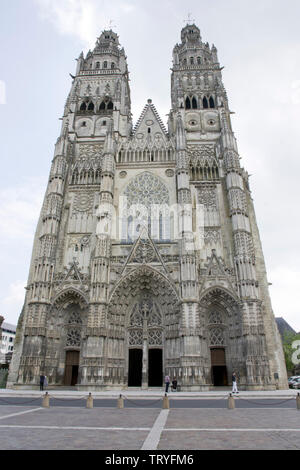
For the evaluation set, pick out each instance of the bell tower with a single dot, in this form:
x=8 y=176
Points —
x=196 y=84
x=100 y=91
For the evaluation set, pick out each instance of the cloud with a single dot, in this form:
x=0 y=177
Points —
x=12 y=303
x=19 y=209
x=284 y=294
x=83 y=18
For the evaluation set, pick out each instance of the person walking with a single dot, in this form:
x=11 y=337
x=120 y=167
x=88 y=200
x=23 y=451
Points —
x=167 y=382
x=42 y=381
x=234 y=383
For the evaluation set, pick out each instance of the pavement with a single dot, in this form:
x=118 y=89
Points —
x=208 y=425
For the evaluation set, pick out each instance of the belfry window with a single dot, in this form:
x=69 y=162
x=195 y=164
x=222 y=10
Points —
x=102 y=106
x=97 y=65
x=110 y=105
x=211 y=102
x=198 y=60
x=192 y=60
x=205 y=103
x=194 y=103
x=91 y=106
x=83 y=107
x=112 y=65
x=187 y=103
x=105 y=64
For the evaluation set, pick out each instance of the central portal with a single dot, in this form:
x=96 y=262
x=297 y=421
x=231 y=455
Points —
x=155 y=368
x=135 y=367
x=145 y=344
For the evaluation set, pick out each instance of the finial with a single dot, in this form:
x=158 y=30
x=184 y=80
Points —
x=189 y=20
x=111 y=25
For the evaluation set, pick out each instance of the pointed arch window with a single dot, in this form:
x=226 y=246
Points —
x=83 y=107
x=91 y=106
x=211 y=102
x=110 y=105
x=102 y=106
x=187 y=103
x=205 y=103
x=194 y=103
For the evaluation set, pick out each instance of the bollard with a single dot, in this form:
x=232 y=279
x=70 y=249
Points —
x=166 y=404
x=231 y=404
x=90 y=401
x=298 y=401
x=46 y=400
x=120 y=402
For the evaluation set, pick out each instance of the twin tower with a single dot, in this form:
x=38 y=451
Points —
x=147 y=258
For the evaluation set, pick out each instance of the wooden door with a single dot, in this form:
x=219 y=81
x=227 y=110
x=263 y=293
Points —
x=71 y=368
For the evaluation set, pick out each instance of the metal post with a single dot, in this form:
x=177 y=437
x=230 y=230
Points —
x=298 y=401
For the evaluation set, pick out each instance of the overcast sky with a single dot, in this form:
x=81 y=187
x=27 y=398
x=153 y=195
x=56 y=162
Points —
x=258 y=43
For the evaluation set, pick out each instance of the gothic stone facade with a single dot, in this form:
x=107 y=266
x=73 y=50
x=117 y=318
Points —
x=111 y=307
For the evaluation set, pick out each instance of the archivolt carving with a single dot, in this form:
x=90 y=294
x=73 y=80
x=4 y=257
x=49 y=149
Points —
x=218 y=307
x=68 y=297
x=143 y=283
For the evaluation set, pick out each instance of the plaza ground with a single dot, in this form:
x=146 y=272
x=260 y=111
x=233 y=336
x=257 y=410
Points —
x=194 y=421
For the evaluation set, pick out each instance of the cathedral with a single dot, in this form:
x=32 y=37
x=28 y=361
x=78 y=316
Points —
x=147 y=258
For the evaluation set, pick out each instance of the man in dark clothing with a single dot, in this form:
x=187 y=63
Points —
x=42 y=380
x=174 y=384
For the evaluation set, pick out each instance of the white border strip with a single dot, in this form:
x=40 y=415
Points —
x=21 y=413
x=232 y=429
x=153 y=437
x=75 y=428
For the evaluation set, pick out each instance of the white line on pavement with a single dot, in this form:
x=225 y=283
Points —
x=233 y=429
x=153 y=437
x=75 y=428
x=20 y=413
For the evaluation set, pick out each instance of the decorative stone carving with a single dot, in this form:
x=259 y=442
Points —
x=73 y=337
x=146 y=189
x=83 y=201
x=207 y=196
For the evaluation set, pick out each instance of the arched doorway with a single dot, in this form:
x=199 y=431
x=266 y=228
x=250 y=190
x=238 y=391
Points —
x=65 y=323
x=143 y=319
x=145 y=341
x=221 y=316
